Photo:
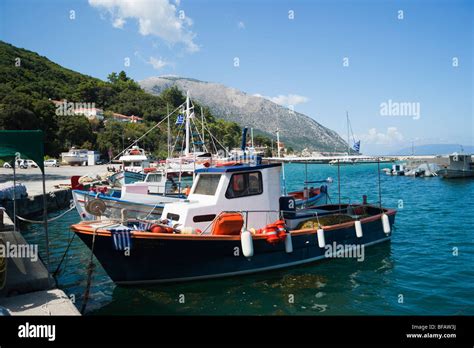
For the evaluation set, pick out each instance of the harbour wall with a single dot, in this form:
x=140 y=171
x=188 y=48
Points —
x=29 y=206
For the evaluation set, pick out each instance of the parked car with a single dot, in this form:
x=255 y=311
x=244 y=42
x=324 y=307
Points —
x=28 y=164
x=21 y=163
x=51 y=163
x=99 y=162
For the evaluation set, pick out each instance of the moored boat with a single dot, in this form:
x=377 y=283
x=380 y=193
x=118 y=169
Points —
x=460 y=166
x=140 y=200
x=235 y=221
x=135 y=163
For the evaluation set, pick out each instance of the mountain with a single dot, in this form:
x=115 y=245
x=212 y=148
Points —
x=296 y=130
x=434 y=149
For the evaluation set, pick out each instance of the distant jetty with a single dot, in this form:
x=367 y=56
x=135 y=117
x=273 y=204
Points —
x=442 y=160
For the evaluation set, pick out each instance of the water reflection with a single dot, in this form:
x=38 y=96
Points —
x=312 y=289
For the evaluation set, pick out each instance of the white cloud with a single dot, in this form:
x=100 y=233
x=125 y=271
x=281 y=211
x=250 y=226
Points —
x=118 y=23
x=241 y=25
x=155 y=17
x=285 y=100
x=157 y=63
x=391 y=137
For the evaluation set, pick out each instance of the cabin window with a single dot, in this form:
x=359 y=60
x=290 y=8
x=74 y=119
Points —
x=127 y=164
x=207 y=184
x=244 y=184
x=154 y=177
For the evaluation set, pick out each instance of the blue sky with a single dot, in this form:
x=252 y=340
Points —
x=296 y=61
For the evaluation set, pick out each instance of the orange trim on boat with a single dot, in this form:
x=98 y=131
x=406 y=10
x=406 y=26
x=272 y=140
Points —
x=86 y=228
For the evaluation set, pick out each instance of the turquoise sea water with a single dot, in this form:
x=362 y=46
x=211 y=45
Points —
x=419 y=267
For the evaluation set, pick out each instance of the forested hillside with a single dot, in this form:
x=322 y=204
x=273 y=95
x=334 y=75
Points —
x=28 y=83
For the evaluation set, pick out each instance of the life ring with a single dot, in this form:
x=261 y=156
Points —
x=281 y=226
x=271 y=231
x=275 y=232
x=135 y=152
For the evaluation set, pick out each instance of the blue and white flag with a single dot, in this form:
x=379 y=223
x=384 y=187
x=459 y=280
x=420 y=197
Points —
x=356 y=146
x=180 y=119
x=121 y=238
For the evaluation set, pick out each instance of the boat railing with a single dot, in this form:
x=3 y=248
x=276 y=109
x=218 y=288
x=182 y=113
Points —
x=309 y=212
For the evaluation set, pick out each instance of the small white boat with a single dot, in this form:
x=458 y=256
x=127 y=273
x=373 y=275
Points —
x=396 y=170
x=75 y=156
x=140 y=199
x=135 y=165
x=424 y=170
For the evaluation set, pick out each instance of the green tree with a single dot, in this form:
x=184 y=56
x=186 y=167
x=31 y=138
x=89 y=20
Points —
x=75 y=131
x=17 y=117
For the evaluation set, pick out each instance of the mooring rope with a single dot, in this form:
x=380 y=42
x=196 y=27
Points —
x=50 y=220
x=64 y=255
x=90 y=270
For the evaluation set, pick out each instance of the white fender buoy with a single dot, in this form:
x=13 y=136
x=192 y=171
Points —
x=288 y=243
x=321 y=241
x=386 y=223
x=358 y=227
x=247 y=243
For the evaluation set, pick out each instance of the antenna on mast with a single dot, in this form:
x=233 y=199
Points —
x=186 y=149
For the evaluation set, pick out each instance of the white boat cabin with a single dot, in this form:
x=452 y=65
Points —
x=253 y=189
x=154 y=183
x=134 y=160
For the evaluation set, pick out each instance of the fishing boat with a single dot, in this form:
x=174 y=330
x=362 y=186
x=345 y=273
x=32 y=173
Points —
x=195 y=154
x=460 y=166
x=235 y=221
x=135 y=164
x=140 y=200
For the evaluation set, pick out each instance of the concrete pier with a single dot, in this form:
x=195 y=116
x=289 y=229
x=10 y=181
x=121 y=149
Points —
x=33 y=205
x=57 y=178
x=29 y=289
x=47 y=302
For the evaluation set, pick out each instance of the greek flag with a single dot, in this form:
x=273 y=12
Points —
x=121 y=238
x=180 y=119
x=356 y=146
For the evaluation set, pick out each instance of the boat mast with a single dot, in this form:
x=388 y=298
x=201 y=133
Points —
x=348 y=143
x=169 y=130
x=278 y=142
x=186 y=149
x=202 y=123
x=251 y=135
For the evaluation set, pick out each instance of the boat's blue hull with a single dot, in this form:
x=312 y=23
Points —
x=177 y=259
x=319 y=199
